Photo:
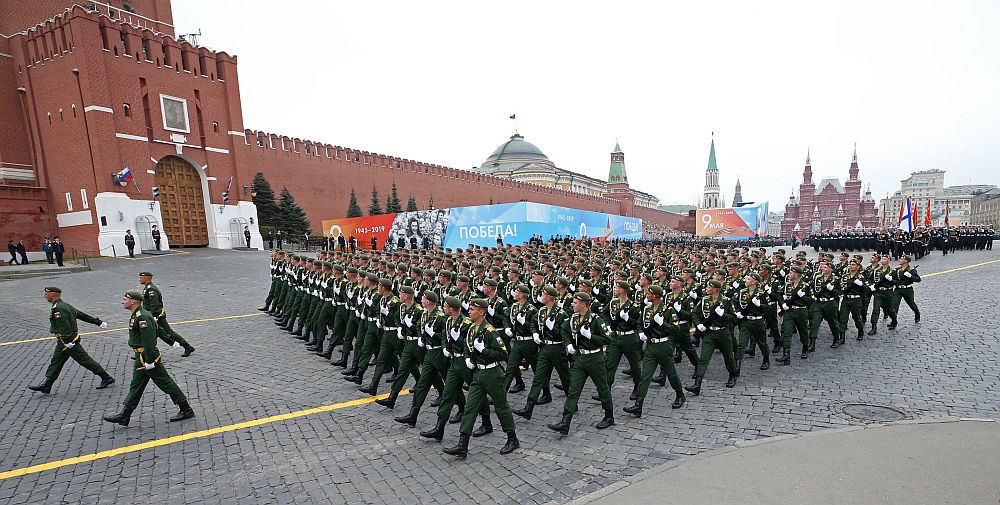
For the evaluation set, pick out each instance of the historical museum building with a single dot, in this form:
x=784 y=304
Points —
x=829 y=204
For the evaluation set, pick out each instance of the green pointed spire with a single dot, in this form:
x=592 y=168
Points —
x=617 y=173
x=711 y=155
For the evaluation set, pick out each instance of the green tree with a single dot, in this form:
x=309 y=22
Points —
x=392 y=204
x=411 y=204
x=263 y=198
x=353 y=209
x=292 y=218
x=374 y=208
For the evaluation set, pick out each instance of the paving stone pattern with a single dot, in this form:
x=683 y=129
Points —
x=245 y=368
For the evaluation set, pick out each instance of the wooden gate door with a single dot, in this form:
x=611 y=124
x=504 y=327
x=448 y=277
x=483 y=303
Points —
x=181 y=202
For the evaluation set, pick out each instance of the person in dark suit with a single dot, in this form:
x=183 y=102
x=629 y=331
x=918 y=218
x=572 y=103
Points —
x=130 y=243
x=12 y=249
x=47 y=249
x=21 y=250
x=58 y=249
x=374 y=243
x=156 y=237
x=342 y=243
x=270 y=239
x=281 y=238
x=246 y=234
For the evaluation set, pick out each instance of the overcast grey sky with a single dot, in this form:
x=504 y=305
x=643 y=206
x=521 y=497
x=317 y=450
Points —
x=914 y=83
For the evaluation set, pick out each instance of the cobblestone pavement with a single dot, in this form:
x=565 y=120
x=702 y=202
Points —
x=246 y=369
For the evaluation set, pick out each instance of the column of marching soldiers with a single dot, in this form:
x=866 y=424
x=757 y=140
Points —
x=895 y=242
x=476 y=319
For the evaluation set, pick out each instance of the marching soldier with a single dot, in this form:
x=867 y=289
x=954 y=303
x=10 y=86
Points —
x=750 y=304
x=712 y=316
x=905 y=276
x=434 y=369
x=412 y=355
x=457 y=329
x=853 y=285
x=795 y=299
x=388 y=321
x=659 y=321
x=148 y=365
x=586 y=334
x=826 y=287
x=882 y=284
x=485 y=355
x=624 y=317
x=520 y=330
x=152 y=301
x=551 y=354
x=62 y=324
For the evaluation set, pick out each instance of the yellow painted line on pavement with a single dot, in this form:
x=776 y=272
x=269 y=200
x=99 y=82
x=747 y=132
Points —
x=110 y=330
x=962 y=268
x=18 y=472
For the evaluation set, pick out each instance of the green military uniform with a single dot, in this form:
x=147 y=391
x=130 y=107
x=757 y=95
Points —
x=434 y=368
x=795 y=300
x=826 y=289
x=585 y=336
x=62 y=324
x=152 y=301
x=854 y=288
x=882 y=283
x=142 y=334
x=412 y=354
x=750 y=304
x=623 y=339
x=521 y=328
x=717 y=333
x=486 y=354
x=551 y=354
x=681 y=340
x=905 y=277
x=456 y=332
x=390 y=323
x=660 y=322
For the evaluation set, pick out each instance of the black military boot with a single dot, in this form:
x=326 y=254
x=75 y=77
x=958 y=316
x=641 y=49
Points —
x=861 y=335
x=546 y=397
x=776 y=348
x=529 y=407
x=484 y=429
x=874 y=330
x=461 y=450
x=661 y=380
x=805 y=351
x=732 y=380
x=752 y=351
x=342 y=362
x=678 y=356
x=188 y=350
x=608 y=421
x=517 y=387
x=409 y=419
x=786 y=357
x=389 y=401
x=560 y=387
x=357 y=378
x=353 y=370
x=678 y=401
x=627 y=371
x=836 y=342
x=916 y=317
x=512 y=443
x=298 y=334
x=262 y=309
x=372 y=388
x=437 y=433
x=437 y=401
x=695 y=388
x=186 y=412
x=843 y=337
x=106 y=380
x=325 y=355
x=812 y=346
x=892 y=324
x=636 y=409
x=767 y=362
x=122 y=418
x=45 y=387
x=562 y=427
x=457 y=416
x=634 y=394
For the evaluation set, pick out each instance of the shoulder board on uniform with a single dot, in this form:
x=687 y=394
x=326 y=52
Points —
x=489 y=327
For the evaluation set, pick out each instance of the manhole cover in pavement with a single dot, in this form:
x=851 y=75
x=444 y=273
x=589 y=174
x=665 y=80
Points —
x=873 y=413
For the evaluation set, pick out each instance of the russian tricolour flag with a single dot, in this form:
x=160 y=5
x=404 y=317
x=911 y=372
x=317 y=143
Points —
x=906 y=219
x=124 y=176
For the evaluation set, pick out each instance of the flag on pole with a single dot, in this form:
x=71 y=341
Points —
x=927 y=217
x=906 y=216
x=947 y=208
x=902 y=205
x=513 y=116
x=124 y=176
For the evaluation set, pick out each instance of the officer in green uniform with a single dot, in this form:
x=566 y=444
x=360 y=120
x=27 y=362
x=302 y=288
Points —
x=905 y=277
x=749 y=305
x=148 y=365
x=485 y=356
x=658 y=322
x=369 y=330
x=882 y=283
x=624 y=317
x=713 y=316
x=457 y=328
x=796 y=296
x=389 y=322
x=584 y=335
x=551 y=355
x=826 y=288
x=522 y=325
x=853 y=285
x=434 y=369
x=352 y=316
x=412 y=355
x=152 y=301
x=62 y=324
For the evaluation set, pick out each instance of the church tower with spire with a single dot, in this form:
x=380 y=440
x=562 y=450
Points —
x=711 y=198
x=618 y=188
x=738 y=196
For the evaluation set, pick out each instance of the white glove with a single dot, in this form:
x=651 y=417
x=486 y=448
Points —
x=520 y=318
x=677 y=306
x=694 y=294
x=647 y=303
x=784 y=306
x=643 y=337
x=739 y=315
x=350 y=293
x=176 y=345
x=720 y=311
x=465 y=305
x=70 y=345
x=368 y=302
x=559 y=304
x=429 y=329
x=829 y=286
x=872 y=288
x=509 y=332
x=787 y=297
x=585 y=331
x=768 y=289
x=384 y=311
x=399 y=333
x=336 y=289
x=801 y=293
x=570 y=349
x=531 y=282
x=468 y=363
x=624 y=315
x=736 y=284
x=907 y=274
x=446 y=353
x=550 y=323
x=859 y=282
x=408 y=320
x=479 y=345
x=536 y=338
x=637 y=287
x=756 y=301
x=420 y=342
x=702 y=328
x=658 y=318
x=378 y=323
x=597 y=290
x=455 y=334
x=572 y=287
x=479 y=288
x=539 y=299
x=104 y=325
x=149 y=366
x=888 y=277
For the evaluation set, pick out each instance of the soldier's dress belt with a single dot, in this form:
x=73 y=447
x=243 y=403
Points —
x=524 y=338
x=852 y=296
x=486 y=367
x=658 y=340
x=630 y=332
x=716 y=328
x=589 y=351
x=391 y=328
x=825 y=299
x=412 y=338
x=755 y=318
x=886 y=289
x=433 y=347
x=551 y=342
